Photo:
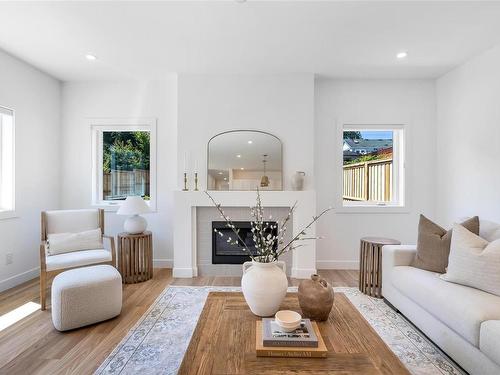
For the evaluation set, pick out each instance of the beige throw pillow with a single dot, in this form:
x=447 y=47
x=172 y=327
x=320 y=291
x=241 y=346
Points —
x=59 y=243
x=474 y=261
x=433 y=244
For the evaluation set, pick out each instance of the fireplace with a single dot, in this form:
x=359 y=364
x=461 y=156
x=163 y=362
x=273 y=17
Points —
x=225 y=253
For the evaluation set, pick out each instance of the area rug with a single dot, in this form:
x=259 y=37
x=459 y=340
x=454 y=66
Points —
x=157 y=343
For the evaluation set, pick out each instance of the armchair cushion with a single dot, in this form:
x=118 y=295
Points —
x=77 y=259
x=59 y=243
x=71 y=221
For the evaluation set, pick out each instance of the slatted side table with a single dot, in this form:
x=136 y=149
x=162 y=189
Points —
x=370 y=264
x=135 y=252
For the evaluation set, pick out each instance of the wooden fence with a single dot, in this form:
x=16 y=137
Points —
x=368 y=181
x=120 y=184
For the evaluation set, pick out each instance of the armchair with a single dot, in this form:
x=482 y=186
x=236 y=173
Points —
x=71 y=221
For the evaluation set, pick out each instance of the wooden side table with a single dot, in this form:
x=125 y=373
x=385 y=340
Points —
x=135 y=257
x=370 y=264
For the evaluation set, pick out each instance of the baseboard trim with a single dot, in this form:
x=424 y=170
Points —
x=337 y=264
x=185 y=272
x=163 y=263
x=15 y=280
x=303 y=273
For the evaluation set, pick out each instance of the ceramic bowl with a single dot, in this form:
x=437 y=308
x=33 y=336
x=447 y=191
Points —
x=288 y=320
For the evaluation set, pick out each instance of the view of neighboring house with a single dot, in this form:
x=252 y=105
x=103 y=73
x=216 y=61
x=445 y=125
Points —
x=365 y=146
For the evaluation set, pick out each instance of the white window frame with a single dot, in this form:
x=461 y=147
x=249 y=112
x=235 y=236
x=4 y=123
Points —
x=400 y=185
x=7 y=166
x=97 y=127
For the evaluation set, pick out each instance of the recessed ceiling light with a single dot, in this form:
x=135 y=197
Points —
x=242 y=168
x=220 y=172
x=90 y=57
x=225 y=179
x=238 y=155
x=402 y=55
x=250 y=142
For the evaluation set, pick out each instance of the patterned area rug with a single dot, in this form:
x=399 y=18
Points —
x=156 y=345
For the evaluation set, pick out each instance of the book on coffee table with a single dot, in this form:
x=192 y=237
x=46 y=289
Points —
x=303 y=336
x=289 y=351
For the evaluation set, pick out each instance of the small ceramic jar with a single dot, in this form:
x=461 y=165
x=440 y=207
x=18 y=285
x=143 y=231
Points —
x=315 y=298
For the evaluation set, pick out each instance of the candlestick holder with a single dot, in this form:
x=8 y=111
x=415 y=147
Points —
x=185 y=182
x=195 y=181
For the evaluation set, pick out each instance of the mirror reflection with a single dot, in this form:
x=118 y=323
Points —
x=244 y=160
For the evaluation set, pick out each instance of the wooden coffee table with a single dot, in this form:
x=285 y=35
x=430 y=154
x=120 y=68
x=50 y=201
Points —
x=224 y=342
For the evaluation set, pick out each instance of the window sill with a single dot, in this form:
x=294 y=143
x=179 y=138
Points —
x=372 y=210
x=7 y=214
x=113 y=207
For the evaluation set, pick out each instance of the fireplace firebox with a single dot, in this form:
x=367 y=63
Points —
x=225 y=253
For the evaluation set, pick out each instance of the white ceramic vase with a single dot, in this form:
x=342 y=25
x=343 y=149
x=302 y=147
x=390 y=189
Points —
x=264 y=286
x=298 y=180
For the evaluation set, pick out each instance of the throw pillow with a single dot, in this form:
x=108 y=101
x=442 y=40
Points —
x=474 y=261
x=433 y=244
x=59 y=243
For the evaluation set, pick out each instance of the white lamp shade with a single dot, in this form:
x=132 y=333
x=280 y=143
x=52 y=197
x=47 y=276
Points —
x=133 y=205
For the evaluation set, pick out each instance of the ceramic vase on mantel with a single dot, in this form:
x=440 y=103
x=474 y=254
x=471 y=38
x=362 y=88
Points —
x=298 y=180
x=264 y=286
x=315 y=298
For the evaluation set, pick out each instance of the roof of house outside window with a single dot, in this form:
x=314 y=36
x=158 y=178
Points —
x=368 y=144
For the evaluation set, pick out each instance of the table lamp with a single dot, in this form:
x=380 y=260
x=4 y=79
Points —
x=134 y=206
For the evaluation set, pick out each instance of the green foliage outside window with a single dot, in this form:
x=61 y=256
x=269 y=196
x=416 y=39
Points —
x=370 y=157
x=352 y=135
x=125 y=151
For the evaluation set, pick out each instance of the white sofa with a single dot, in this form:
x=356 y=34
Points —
x=464 y=322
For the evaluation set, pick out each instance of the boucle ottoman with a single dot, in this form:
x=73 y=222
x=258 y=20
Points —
x=86 y=295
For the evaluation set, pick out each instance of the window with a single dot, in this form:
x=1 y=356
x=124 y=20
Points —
x=124 y=161
x=372 y=165
x=7 y=201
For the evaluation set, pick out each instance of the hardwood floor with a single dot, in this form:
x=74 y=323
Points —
x=33 y=346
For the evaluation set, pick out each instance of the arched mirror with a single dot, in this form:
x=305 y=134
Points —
x=245 y=160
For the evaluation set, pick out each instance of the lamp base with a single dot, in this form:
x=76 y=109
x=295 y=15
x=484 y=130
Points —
x=135 y=224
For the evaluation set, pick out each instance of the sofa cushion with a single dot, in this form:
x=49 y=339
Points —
x=490 y=339
x=474 y=261
x=459 y=307
x=489 y=230
x=77 y=259
x=433 y=244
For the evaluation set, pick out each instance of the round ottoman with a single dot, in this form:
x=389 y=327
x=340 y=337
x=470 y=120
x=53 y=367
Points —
x=86 y=295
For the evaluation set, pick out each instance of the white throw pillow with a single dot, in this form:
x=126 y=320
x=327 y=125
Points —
x=473 y=261
x=489 y=230
x=67 y=242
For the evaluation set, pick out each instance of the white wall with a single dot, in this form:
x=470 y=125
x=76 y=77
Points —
x=156 y=99
x=373 y=101
x=468 y=156
x=279 y=104
x=35 y=98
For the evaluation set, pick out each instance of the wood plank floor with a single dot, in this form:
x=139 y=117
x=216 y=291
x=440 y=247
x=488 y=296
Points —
x=33 y=346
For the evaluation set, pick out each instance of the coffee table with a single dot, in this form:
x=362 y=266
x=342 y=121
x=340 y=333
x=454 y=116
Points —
x=224 y=342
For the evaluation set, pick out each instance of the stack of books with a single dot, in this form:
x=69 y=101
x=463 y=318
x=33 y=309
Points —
x=305 y=341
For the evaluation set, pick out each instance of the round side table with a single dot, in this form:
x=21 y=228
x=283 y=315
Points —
x=135 y=257
x=370 y=264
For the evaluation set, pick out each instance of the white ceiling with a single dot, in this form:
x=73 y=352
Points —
x=338 y=39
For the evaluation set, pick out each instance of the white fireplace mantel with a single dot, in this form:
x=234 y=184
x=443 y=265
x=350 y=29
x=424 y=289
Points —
x=186 y=202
